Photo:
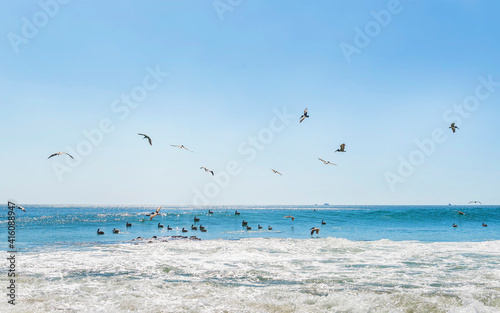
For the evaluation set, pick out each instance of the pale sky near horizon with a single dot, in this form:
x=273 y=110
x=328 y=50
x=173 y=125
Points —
x=379 y=76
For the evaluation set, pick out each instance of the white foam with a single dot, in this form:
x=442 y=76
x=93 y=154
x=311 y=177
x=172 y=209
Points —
x=263 y=275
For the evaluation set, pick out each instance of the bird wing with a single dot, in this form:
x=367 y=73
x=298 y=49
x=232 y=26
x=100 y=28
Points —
x=342 y=146
x=69 y=155
x=158 y=210
x=312 y=231
x=52 y=155
x=186 y=148
x=302 y=118
x=331 y=163
x=176 y=146
x=305 y=112
x=212 y=173
x=322 y=160
x=149 y=139
x=20 y=207
x=452 y=125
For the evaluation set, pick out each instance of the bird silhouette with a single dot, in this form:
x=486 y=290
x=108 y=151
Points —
x=60 y=153
x=326 y=162
x=149 y=139
x=342 y=148
x=303 y=117
x=453 y=127
x=276 y=172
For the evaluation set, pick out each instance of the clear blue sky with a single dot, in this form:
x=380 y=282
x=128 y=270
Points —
x=229 y=71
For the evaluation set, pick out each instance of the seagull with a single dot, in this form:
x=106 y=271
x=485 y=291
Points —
x=146 y=136
x=315 y=229
x=342 y=148
x=293 y=218
x=275 y=171
x=154 y=213
x=182 y=147
x=207 y=170
x=60 y=153
x=475 y=202
x=326 y=162
x=453 y=127
x=303 y=117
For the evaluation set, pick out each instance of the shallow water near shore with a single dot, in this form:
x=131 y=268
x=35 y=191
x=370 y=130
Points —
x=365 y=259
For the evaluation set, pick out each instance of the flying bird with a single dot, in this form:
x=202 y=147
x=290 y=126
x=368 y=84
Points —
x=182 y=147
x=155 y=213
x=326 y=162
x=149 y=139
x=275 y=171
x=207 y=170
x=475 y=202
x=60 y=153
x=303 y=117
x=453 y=127
x=342 y=148
x=289 y=216
x=315 y=229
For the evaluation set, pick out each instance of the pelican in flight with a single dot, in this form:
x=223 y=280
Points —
x=453 y=127
x=182 y=147
x=342 y=148
x=315 y=229
x=155 y=213
x=276 y=172
x=60 y=153
x=149 y=139
x=326 y=162
x=475 y=202
x=289 y=216
x=207 y=170
x=303 y=117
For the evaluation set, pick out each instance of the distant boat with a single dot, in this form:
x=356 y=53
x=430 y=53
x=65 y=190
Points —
x=326 y=204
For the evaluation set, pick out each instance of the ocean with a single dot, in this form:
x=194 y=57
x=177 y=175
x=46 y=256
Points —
x=364 y=259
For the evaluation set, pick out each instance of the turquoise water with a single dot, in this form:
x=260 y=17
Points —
x=365 y=259
x=45 y=225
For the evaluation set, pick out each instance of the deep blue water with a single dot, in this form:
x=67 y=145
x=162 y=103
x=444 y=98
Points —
x=48 y=225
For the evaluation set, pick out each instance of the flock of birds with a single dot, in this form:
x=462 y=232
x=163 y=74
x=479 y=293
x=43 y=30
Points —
x=203 y=228
x=305 y=115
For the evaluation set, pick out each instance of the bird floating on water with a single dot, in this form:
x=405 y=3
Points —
x=196 y=219
x=149 y=139
x=453 y=127
x=236 y=212
x=289 y=216
x=342 y=148
x=244 y=223
x=323 y=222
x=315 y=229
x=194 y=227
x=460 y=212
x=207 y=170
x=100 y=232
x=60 y=153
x=182 y=147
x=168 y=227
x=276 y=172
x=484 y=225
x=184 y=230
x=303 y=117
x=455 y=225
x=326 y=162
x=269 y=227
x=160 y=225
x=128 y=224
x=115 y=231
